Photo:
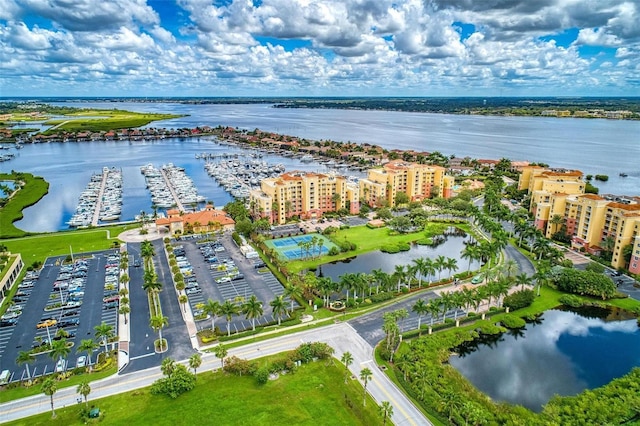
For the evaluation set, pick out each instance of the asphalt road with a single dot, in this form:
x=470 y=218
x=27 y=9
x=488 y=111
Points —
x=342 y=337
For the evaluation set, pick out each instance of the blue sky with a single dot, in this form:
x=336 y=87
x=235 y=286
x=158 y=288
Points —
x=319 y=48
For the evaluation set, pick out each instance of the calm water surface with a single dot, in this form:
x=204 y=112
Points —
x=563 y=354
x=594 y=146
x=387 y=262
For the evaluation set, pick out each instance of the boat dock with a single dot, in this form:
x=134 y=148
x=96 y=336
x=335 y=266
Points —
x=96 y=211
x=170 y=187
x=172 y=190
x=101 y=201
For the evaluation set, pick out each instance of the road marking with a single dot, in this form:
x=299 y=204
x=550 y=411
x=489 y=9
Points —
x=142 y=356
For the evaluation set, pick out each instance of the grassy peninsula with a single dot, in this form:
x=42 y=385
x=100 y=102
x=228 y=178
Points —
x=98 y=120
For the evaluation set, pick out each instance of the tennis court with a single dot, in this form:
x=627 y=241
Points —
x=300 y=246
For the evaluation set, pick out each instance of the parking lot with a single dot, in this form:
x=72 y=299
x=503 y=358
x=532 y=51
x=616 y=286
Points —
x=63 y=300
x=217 y=270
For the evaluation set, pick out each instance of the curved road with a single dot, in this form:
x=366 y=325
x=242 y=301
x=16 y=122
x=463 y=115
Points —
x=342 y=337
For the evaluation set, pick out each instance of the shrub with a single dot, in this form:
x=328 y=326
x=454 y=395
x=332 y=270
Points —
x=262 y=375
x=179 y=382
x=390 y=248
x=318 y=302
x=512 y=321
x=238 y=366
x=586 y=283
x=404 y=246
x=519 y=299
x=333 y=251
x=594 y=267
x=381 y=297
x=571 y=300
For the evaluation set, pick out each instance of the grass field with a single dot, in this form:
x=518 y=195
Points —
x=39 y=247
x=34 y=189
x=367 y=239
x=315 y=394
x=104 y=120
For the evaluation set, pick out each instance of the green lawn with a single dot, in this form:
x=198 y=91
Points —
x=315 y=394
x=39 y=247
x=33 y=190
x=367 y=239
x=108 y=120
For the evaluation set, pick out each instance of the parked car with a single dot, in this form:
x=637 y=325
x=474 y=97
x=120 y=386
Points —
x=259 y=265
x=111 y=299
x=68 y=322
x=194 y=290
x=237 y=277
x=61 y=365
x=81 y=361
x=46 y=323
x=477 y=279
x=615 y=273
x=110 y=305
x=70 y=313
x=223 y=280
x=66 y=336
x=8 y=322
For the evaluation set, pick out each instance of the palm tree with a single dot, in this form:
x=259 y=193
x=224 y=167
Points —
x=252 y=309
x=168 y=367
x=446 y=303
x=292 y=292
x=510 y=267
x=88 y=346
x=439 y=263
x=523 y=279
x=183 y=299
x=399 y=274
x=228 y=309
x=278 y=307
x=158 y=322
x=212 y=307
x=420 y=308
x=124 y=310
x=49 y=388
x=451 y=265
x=365 y=376
x=195 y=361
x=347 y=360
x=104 y=332
x=221 y=353
x=25 y=358
x=59 y=349
x=420 y=268
x=457 y=301
x=84 y=389
x=556 y=220
x=150 y=282
x=470 y=252
x=433 y=309
x=386 y=411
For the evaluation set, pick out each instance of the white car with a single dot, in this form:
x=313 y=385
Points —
x=81 y=362
x=223 y=280
x=60 y=365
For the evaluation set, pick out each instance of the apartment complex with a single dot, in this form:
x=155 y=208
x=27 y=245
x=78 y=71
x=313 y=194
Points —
x=418 y=181
x=304 y=194
x=595 y=222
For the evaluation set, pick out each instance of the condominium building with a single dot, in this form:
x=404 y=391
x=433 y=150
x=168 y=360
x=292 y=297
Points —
x=595 y=223
x=304 y=194
x=548 y=190
x=417 y=181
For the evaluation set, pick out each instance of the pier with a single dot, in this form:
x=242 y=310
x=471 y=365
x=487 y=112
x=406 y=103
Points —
x=171 y=189
x=98 y=206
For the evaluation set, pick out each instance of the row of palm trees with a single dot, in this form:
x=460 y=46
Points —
x=60 y=349
x=251 y=308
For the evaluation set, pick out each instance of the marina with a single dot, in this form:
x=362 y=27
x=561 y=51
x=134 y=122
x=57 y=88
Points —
x=171 y=187
x=101 y=201
x=241 y=175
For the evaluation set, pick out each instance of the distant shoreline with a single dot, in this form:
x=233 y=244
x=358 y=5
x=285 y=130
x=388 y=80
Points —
x=621 y=108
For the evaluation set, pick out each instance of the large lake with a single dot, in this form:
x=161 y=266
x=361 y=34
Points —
x=565 y=353
x=594 y=146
